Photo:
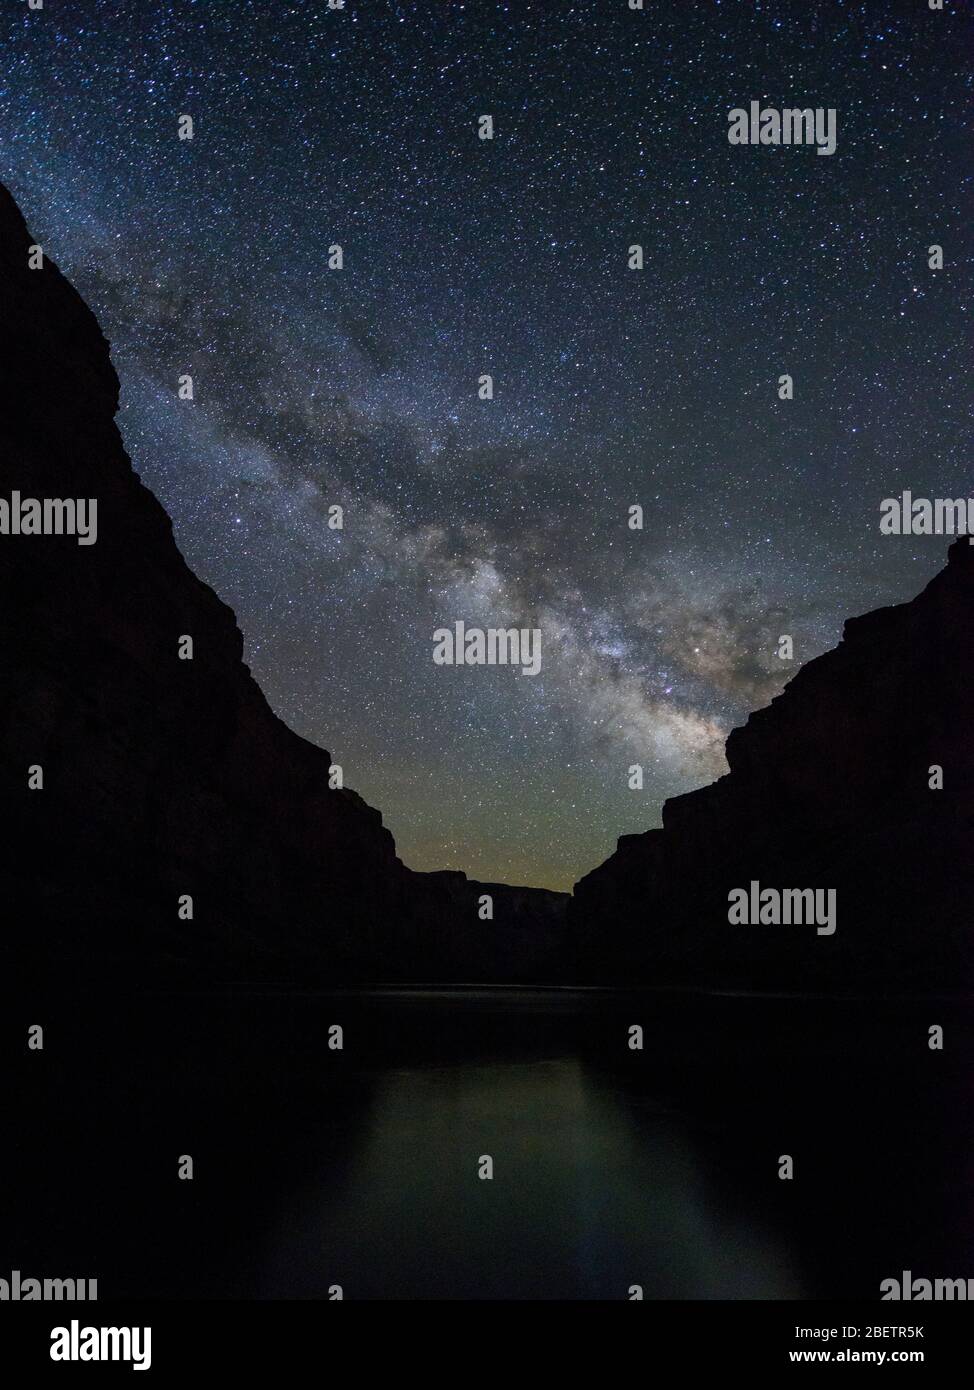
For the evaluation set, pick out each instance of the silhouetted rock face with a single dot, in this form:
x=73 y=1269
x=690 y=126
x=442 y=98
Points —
x=524 y=939
x=829 y=787
x=165 y=777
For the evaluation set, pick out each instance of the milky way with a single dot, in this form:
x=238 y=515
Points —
x=612 y=387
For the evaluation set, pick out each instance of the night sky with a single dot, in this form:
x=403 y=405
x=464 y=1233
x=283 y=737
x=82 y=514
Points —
x=612 y=387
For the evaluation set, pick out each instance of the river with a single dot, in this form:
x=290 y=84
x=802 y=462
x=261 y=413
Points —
x=614 y=1168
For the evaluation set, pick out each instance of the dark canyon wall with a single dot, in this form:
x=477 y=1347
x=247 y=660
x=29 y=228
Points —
x=829 y=787
x=165 y=777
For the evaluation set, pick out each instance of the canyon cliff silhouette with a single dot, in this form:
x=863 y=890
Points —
x=167 y=779
x=833 y=786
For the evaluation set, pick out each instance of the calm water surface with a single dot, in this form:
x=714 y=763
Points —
x=612 y=1167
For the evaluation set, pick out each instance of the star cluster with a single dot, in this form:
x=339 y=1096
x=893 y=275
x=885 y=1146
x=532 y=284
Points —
x=315 y=387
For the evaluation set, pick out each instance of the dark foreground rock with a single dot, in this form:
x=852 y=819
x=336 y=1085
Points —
x=829 y=787
x=165 y=777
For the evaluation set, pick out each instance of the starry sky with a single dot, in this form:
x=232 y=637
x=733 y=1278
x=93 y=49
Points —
x=612 y=387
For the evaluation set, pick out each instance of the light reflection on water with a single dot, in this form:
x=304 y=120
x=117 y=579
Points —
x=592 y=1192
x=612 y=1168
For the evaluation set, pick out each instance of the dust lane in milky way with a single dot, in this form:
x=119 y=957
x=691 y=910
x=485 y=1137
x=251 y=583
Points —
x=463 y=257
